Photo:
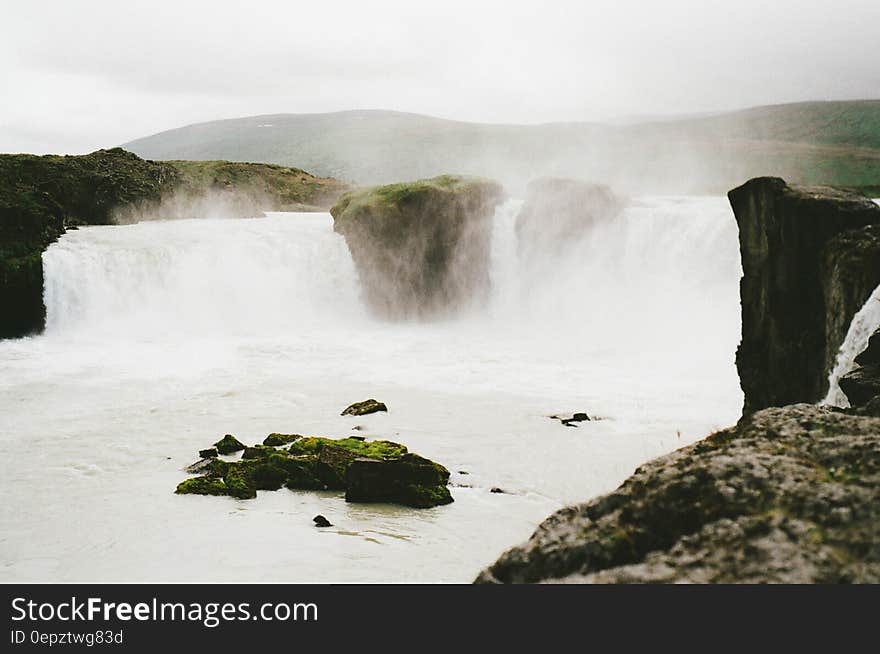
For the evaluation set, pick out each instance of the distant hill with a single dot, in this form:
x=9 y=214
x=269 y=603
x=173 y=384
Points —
x=815 y=142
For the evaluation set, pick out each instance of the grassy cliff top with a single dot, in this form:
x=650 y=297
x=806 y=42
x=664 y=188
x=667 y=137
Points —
x=391 y=199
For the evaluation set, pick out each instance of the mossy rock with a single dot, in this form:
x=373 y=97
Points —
x=391 y=473
x=258 y=452
x=364 y=408
x=277 y=440
x=229 y=444
x=202 y=486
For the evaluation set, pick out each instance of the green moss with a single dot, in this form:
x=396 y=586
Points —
x=276 y=440
x=238 y=482
x=371 y=449
x=258 y=452
x=201 y=486
x=423 y=497
x=266 y=476
x=229 y=444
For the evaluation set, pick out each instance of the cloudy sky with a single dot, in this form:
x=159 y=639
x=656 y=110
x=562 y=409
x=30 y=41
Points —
x=76 y=76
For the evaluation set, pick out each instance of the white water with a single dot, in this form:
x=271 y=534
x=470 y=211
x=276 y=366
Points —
x=162 y=336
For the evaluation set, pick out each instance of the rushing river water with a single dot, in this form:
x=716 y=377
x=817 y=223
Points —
x=163 y=336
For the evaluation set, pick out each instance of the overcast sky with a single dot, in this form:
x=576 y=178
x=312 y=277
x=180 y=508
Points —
x=76 y=76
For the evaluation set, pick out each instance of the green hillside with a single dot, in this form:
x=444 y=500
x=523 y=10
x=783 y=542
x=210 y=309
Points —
x=816 y=142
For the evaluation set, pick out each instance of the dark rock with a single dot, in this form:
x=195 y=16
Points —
x=421 y=248
x=321 y=521
x=210 y=453
x=569 y=422
x=785 y=231
x=790 y=495
x=861 y=385
x=258 y=452
x=364 y=408
x=276 y=440
x=410 y=480
x=316 y=463
x=200 y=466
x=850 y=273
x=557 y=212
x=229 y=444
x=871 y=354
x=495 y=489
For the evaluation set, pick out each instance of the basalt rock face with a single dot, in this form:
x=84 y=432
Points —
x=796 y=263
x=850 y=273
x=790 y=495
x=557 y=212
x=421 y=248
x=862 y=384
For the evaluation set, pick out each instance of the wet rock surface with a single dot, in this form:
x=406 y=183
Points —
x=368 y=471
x=421 y=248
x=364 y=408
x=797 y=299
x=789 y=495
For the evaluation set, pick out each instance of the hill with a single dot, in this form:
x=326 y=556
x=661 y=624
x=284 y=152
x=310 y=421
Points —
x=812 y=143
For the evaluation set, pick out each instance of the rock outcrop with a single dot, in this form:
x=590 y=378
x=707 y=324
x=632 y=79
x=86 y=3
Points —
x=862 y=384
x=364 y=408
x=421 y=248
x=790 y=236
x=368 y=471
x=40 y=196
x=790 y=495
x=850 y=272
x=557 y=212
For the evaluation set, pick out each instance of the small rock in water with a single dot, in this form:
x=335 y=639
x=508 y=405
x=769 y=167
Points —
x=364 y=408
x=463 y=472
x=229 y=444
x=495 y=489
x=568 y=422
x=321 y=521
x=199 y=466
x=210 y=453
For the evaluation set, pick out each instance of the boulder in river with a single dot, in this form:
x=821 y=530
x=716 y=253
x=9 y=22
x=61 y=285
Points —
x=229 y=444
x=421 y=248
x=364 y=408
x=368 y=471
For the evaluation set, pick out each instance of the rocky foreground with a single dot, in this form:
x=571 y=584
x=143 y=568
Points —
x=792 y=493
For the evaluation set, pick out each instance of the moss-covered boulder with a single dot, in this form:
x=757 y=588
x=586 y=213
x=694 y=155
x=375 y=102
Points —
x=421 y=248
x=276 y=440
x=383 y=472
x=229 y=444
x=410 y=480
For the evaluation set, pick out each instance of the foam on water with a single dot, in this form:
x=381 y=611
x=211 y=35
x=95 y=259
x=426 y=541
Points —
x=162 y=336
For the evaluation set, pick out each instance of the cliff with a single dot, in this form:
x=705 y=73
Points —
x=421 y=248
x=40 y=196
x=794 y=313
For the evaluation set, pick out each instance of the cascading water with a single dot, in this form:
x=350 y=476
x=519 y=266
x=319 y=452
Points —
x=162 y=336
